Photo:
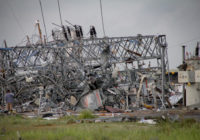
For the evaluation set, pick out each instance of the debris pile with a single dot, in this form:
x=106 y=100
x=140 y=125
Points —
x=113 y=74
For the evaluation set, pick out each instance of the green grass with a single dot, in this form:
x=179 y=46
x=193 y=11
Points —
x=86 y=114
x=66 y=129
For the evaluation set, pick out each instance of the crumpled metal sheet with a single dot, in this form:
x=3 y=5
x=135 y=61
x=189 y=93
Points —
x=92 y=100
x=174 y=99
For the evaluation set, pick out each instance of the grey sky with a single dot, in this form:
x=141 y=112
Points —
x=178 y=19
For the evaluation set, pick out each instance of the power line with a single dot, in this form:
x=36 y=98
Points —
x=59 y=12
x=196 y=38
x=191 y=40
x=69 y=22
x=102 y=19
x=43 y=17
x=57 y=25
x=15 y=17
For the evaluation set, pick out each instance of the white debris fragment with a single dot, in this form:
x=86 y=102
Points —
x=50 y=118
x=29 y=79
x=175 y=99
x=148 y=121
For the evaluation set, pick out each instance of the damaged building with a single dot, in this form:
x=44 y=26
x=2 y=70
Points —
x=189 y=76
x=94 y=73
x=74 y=72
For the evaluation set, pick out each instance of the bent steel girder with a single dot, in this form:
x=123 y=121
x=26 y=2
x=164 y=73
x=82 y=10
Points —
x=82 y=51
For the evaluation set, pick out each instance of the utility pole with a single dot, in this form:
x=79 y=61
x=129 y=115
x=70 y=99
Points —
x=163 y=72
x=39 y=30
x=163 y=47
x=5 y=43
x=183 y=60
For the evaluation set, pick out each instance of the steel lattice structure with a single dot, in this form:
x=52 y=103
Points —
x=63 y=65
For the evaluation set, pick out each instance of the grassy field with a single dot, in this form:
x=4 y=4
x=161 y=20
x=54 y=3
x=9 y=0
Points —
x=13 y=127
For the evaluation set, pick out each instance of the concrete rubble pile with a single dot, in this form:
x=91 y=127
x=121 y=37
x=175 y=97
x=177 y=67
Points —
x=123 y=73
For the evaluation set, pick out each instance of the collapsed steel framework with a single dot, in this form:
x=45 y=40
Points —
x=64 y=67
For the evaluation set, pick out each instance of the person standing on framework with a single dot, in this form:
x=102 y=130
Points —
x=9 y=98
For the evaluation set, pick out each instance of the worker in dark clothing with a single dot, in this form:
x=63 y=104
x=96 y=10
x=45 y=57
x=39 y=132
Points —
x=9 y=98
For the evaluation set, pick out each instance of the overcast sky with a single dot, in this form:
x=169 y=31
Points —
x=178 y=19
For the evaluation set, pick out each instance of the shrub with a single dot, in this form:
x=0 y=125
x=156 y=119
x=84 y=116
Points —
x=86 y=114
